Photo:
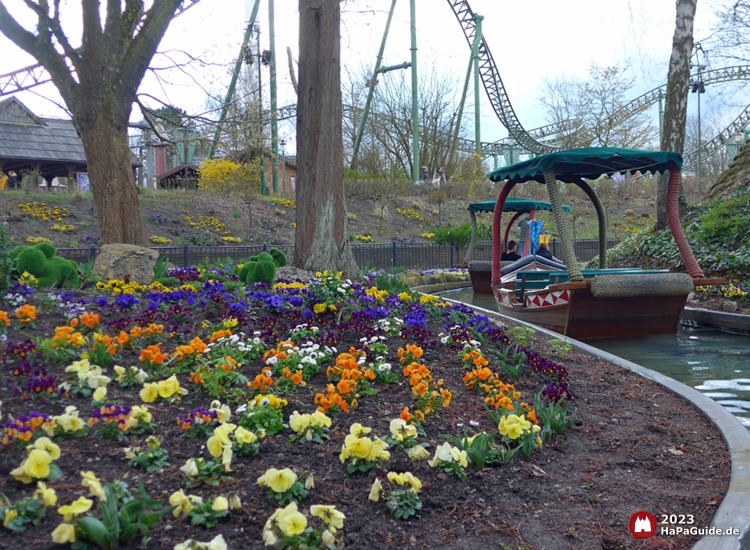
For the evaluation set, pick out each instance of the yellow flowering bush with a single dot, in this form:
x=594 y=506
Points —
x=43 y=212
x=284 y=202
x=410 y=214
x=34 y=240
x=159 y=240
x=226 y=176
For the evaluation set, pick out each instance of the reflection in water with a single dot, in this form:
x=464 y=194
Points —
x=715 y=363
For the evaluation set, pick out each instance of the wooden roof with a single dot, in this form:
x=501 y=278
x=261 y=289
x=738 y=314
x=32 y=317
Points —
x=27 y=140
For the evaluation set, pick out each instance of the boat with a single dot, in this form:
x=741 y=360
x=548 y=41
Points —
x=596 y=303
x=481 y=271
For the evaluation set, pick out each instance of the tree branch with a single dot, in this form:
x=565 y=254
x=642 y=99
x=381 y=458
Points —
x=43 y=51
x=142 y=48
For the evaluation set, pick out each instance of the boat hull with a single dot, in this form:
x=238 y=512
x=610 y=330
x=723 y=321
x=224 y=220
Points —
x=571 y=309
x=481 y=281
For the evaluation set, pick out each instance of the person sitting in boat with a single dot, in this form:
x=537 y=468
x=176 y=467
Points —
x=511 y=255
x=544 y=252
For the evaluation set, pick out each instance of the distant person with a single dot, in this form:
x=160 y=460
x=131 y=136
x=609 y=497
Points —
x=293 y=183
x=12 y=180
x=3 y=181
x=544 y=252
x=523 y=229
x=512 y=253
x=439 y=178
x=424 y=174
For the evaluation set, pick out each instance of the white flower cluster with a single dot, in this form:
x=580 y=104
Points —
x=15 y=300
x=238 y=342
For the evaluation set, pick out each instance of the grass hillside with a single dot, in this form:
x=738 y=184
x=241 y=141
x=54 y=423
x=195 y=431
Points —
x=377 y=212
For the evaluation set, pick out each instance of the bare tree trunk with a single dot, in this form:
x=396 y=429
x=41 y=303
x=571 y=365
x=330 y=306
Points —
x=675 y=105
x=113 y=184
x=321 y=237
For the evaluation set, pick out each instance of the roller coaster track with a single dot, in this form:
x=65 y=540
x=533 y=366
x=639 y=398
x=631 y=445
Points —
x=493 y=84
x=713 y=76
x=36 y=75
x=708 y=148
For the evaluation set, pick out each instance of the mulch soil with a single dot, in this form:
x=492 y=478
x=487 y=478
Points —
x=635 y=446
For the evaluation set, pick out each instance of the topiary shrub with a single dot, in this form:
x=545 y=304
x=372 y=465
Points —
x=31 y=260
x=278 y=257
x=261 y=271
x=47 y=248
x=51 y=271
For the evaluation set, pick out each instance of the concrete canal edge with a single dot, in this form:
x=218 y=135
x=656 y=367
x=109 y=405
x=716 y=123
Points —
x=730 y=322
x=734 y=511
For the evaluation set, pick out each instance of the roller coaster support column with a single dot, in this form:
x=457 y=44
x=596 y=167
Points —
x=414 y=96
x=260 y=113
x=233 y=83
x=371 y=91
x=472 y=64
x=477 y=80
x=274 y=111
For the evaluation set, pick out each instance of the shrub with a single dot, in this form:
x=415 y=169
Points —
x=278 y=256
x=226 y=176
x=51 y=271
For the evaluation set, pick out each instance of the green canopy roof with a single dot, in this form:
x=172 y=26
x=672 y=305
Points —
x=514 y=205
x=588 y=163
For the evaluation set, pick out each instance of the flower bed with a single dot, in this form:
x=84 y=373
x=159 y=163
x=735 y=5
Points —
x=327 y=413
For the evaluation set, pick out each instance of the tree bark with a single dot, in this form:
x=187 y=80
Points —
x=112 y=182
x=321 y=237
x=675 y=105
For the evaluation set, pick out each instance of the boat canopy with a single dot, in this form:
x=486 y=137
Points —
x=589 y=163
x=514 y=205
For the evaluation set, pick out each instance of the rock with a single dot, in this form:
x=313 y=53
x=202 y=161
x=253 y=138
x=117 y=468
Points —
x=400 y=276
x=116 y=261
x=451 y=277
x=414 y=279
x=729 y=306
x=429 y=280
x=440 y=276
x=691 y=296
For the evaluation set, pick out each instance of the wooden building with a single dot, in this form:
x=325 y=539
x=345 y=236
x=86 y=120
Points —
x=49 y=146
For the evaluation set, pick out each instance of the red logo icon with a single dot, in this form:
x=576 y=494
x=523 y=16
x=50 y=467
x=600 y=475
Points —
x=642 y=525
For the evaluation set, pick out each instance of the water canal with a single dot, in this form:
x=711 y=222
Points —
x=713 y=362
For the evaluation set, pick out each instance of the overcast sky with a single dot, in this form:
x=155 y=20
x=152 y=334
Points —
x=530 y=41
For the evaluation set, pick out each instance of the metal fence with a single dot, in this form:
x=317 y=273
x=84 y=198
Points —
x=417 y=256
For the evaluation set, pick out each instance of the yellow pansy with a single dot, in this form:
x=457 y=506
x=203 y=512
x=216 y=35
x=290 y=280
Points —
x=49 y=498
x=75 y=508
x=64 y=533
x=220 y=504
x=292 y=524
x=92 y=483
x=149 y=392
x=279 y=481
x=329 y=515
x=45 y=444
x=375 y=491
x=37 y=464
